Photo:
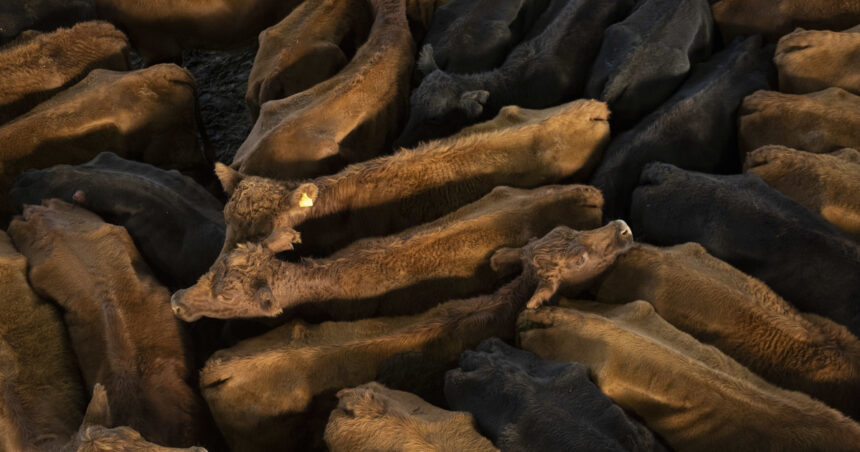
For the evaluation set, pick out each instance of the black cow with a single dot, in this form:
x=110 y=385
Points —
x=644 y=58
x=176 y=224
x=43 y=15
x=523 y=402
x=745 y=222
x=695 y=129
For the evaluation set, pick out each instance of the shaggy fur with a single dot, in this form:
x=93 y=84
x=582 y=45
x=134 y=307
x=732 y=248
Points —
x=45 y=64
x=812 y=60
x=694 y=129
x=525 y=403
x=549 y=67
x=827 y=184
x=404 y=273
x=774 y=18
x=143 y=115
x=373 y=418
x=350 y=117
x=44 y=15
x=176 y=225
x=117 y=315
x=692 y=395
x=753 y=227
x=819 y=122
x=719 y=305
x=646 y=57
x=520 y=148
x=41 y=395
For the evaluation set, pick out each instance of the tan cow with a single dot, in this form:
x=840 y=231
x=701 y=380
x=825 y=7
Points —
x=404 y=273
x=812 y=60
x=774 y=18
x=146 y=115
x=819 y=122
x=43 y=398
x=828 y=184
x=275 y=390
x=692 y=395
x=118 y=317
x=310 y=45
x=40 y=66
x=374 y=418
x=721 y=306
x=388 y=194
x=350 y=117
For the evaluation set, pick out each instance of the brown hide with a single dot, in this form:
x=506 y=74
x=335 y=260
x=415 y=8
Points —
x=692 y=395
x=827 y=184
x=350 y=117
x=310 y=45
x=36 y=69
x=42 y=398
x=774 y=18
x=819 y=122
x=374 y=418
x=812 y=60
x=145 y=115
x=721 y=306
x=118 y=317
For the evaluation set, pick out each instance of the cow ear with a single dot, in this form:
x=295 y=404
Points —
x=229 y=177
x=506 y=260
x=98 y=411
x=305 y=195
x=426 y=61
x=544 y=292
x=473 y=102
x=282 y=239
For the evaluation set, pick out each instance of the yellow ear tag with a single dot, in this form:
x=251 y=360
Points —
x=306 y=201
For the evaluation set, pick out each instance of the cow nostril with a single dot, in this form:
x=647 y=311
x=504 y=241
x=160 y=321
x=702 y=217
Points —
x=176 y=309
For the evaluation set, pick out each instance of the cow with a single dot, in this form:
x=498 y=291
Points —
x=721 y=306
x=776 y=18
x=826 y=184
x=275 y=390
x=349 y=118
x=161 y=29
x=45 y=64
x=549 y=67
x=117 y=315
x=399 y=274
x=41 y=15
x=694 y=129
x=743 y=221
x=43 y=397
x=819 y=122
x=690 y=394
x=520 y=148
x=646 y=57
x=146 y=115
x=372 y=417
x=309 y=46
x=177 y=226
x=812 y=60
x=513 y=394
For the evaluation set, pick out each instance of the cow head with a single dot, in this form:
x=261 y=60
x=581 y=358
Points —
x=237 y=285
x=261 y=209
x=566 y=258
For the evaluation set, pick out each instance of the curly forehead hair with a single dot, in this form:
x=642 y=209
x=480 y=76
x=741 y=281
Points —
x=248 y=256
x=548 y=255
x=255 y=197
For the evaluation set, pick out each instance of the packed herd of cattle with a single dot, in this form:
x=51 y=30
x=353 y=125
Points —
x=424 y=245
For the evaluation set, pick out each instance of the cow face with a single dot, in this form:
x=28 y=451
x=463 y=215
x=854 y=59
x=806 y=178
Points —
x=237 y=285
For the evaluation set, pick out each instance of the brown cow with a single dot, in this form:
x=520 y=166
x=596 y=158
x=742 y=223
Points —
x=388 y=194
x=818 y=122
x=403 y=273
x=372 y=417
x=43 y=398
x=692 y=395
x=118 y=317
x=40 y=66
x=310 y=45
x=721 y=306
x=812 y=60
x=774 y=18
x=146 y=115
x=350 y=117
x=827 y=184
x=274 y=391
